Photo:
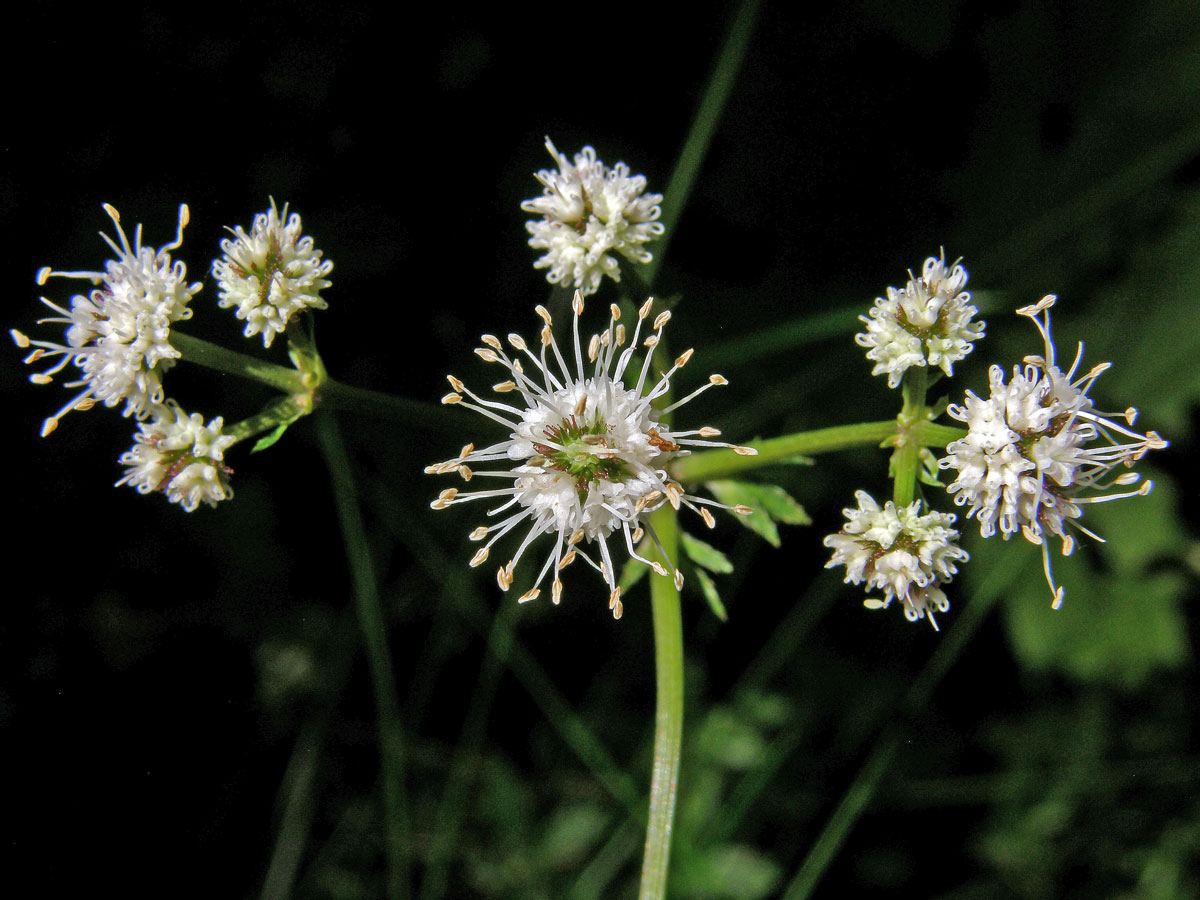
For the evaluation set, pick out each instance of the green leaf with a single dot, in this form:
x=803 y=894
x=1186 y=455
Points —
x=726 y=737
x=728 y=872
x=709 y=588
x=1140 y=529
x=569 y=835
x=770 y=503
x=1114 y=627
x=705 y=555
x=264 y=442
x=1113 y=630
x=781 y=505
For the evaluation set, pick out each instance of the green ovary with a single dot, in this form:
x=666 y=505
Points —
x=577 y=457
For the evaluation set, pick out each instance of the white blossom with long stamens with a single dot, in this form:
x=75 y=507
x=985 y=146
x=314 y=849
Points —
x=1037 y=450
x=585 y=457
x=589 y=212
x=118 y=336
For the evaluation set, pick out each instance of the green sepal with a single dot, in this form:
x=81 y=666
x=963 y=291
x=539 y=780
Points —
x=264 y=442
x=927 y=472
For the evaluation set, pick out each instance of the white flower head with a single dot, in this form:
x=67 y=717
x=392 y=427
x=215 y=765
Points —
x=118 y=336
x=181 y=456
x=927 y=322
x=586 y=455
x=588 y=212
x=271 y=273
x=896 y=550
x=1037 y=450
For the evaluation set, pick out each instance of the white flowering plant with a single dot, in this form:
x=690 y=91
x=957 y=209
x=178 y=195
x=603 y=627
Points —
x=120 y=337
x=598 y=447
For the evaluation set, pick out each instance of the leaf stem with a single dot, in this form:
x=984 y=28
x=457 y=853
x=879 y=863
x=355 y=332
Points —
x=213 y=356
x=712 y=464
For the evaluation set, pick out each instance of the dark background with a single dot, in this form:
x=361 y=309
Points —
x=158 y=668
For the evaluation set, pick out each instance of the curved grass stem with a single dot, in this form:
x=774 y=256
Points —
x=862 y=790
x=372 y=623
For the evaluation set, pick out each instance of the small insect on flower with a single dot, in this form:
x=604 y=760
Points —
x=586 y=456
x=1037 y=450
x=118 y=336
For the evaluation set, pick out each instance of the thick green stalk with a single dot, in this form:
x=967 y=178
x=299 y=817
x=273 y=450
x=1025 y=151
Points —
x=664 y=597
x=906 y=461
x=371 y=620
x=214 y=356
x=712 y=464
x=721 y=463
x=668 y=715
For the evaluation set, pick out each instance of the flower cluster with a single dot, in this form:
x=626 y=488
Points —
x=118 y=336
x=899 y=552
x=586 y=456
x=271 y=273
x=589 y=211
x=180 y=456
x=1037 y=450
x=927 y=322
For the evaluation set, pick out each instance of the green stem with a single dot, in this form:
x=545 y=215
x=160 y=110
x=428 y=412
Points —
x=283 y=411
x=668 y=716
x=722 y=463
x=214 y=356
x=704 y=127
x=858 y=796
x=906 y=461
x=467 y=756
x=371 y=620
x=837 y=828
x=415 y=413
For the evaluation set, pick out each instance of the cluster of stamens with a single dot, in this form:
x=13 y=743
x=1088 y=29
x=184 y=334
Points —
x=1037 y=450
x=586 y=456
